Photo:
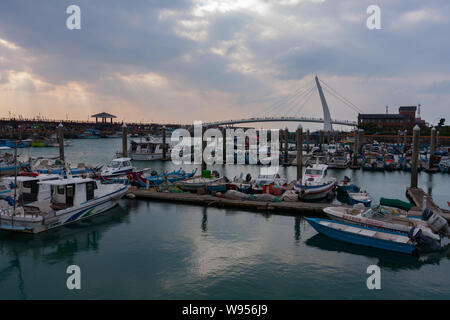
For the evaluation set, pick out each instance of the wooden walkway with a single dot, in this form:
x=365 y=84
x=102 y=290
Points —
x=284 y=207
x=416 y=195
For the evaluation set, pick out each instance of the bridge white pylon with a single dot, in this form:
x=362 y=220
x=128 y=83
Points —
x=327 y=126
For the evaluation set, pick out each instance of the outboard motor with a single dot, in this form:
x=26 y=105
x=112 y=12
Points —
x=153 y=173
x=417 y=235
x=248 y=177
x=436 y=222
x=215 y=173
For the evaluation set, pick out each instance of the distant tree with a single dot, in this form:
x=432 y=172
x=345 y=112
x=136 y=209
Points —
x=441 y=122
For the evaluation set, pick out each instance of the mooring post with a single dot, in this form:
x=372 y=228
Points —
x=124 y=141
x=164 y=142
x=224 y=145
x=415 y=157
x=286 y=145
x=437 y=139
x=355 y=148
x=20 y=132
x=360 y=140
x=61 y=142
x=432 y=147
x=321 y=140
x=203 y=148
x=307 y=141
x=405 y=140
x=299 y=142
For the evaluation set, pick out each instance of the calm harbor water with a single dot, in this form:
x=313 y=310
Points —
x=151 y=250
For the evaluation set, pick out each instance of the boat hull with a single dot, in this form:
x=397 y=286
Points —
x=30 y=224
x=360 y=239
x=314 y=192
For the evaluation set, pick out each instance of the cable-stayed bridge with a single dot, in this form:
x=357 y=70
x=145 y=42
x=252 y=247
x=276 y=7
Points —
x=296 y=102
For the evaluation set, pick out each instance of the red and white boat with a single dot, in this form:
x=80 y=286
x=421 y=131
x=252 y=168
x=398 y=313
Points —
x=315 y=183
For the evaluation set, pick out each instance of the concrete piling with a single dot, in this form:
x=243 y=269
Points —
x=415 y=157
x=286 y=146
x=432 y=147
x=124 y=141
x=307 y=141
x=355 y=149
x=224 y=145
x=299 y=141
x=60 y=136
x=164 y=143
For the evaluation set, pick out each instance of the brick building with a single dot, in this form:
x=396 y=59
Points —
x=406 y=117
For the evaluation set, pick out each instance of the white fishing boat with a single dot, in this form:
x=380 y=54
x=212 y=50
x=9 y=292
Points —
x=267 y=179
x=315 y=184
x=147 y=150
x=197 y=183
x=339 y=160
x=72 y=200
x=117 y=167
x=383 y=218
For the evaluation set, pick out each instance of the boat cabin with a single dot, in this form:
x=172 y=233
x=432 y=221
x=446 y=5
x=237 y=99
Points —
x=66 y=193
x=317 y=170
x=29 y=189
x=118 y=166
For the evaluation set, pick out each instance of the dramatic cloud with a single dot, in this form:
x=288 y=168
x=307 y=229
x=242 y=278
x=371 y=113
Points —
x=182 y=60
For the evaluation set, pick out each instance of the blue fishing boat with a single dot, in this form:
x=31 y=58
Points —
x=365 y=236
x=356 y=195
x=172 y=177
x=345 y=185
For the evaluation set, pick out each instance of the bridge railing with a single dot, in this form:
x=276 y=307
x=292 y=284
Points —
x=262 y=119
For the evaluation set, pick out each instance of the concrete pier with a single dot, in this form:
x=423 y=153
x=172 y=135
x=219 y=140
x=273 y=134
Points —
x=295 y=207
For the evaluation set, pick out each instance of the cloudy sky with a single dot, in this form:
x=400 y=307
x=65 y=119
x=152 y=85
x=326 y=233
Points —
x=185 y=60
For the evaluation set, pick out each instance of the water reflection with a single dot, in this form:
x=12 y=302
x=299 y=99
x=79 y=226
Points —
x=297 y=235
x=386 y=259
x=204 y=220
x=64 y=243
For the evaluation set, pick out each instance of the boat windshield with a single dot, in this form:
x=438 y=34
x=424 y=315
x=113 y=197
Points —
x=313 y=171
x=114 y=164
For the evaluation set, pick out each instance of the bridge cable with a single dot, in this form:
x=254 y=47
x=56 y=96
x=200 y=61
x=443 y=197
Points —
x=301 y=100
x=281 y=106
x=347 y=102
x=343 y=101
